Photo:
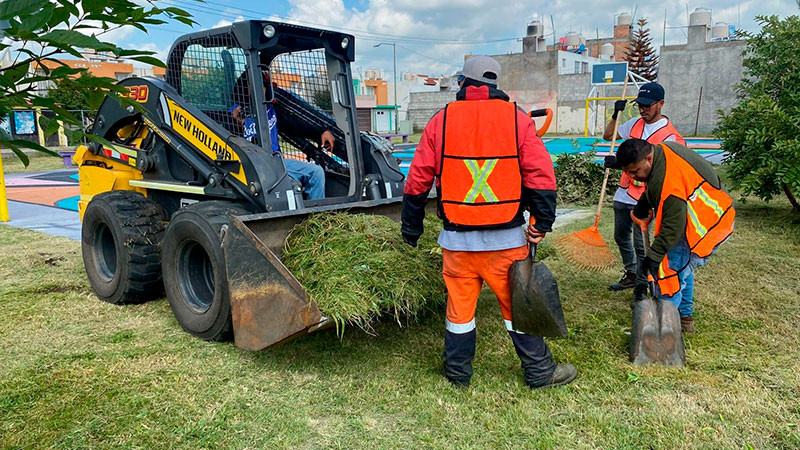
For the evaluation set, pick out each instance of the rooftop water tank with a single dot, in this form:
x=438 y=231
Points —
x=535 y=28
x=700 y=16
x=720 y=30
x=573 y=39
x=624 y=19
x=607 y=51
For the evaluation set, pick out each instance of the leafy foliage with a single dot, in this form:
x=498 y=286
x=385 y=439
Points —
x=579 y=178
x=762 y=133
x=642 y=58
x=70 y=92
x=323 y=100
x=41 y=30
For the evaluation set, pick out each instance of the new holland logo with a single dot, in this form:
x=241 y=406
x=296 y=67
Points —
x=199 y=135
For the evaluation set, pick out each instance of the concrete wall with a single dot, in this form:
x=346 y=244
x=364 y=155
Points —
x=423 y=105
x=684 y=69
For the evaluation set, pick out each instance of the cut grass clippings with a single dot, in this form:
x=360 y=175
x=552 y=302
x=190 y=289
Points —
x=357 y=267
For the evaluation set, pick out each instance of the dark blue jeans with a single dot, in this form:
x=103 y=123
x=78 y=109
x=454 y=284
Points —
x=628 y=237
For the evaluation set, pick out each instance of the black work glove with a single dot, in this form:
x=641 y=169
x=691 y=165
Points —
x=619 y=106
x=646 y=267
x=639 y=291
x=610 y=162
x=410 y=239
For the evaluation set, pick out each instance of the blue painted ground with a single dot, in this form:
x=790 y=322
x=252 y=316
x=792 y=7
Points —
x=559 y=146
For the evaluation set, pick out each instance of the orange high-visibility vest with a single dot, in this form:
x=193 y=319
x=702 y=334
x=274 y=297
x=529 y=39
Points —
x=636 y=188
x=480 y=180
x=709 y=214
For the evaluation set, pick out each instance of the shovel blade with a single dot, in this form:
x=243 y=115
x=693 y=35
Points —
x=656 y=334
x=535 y=302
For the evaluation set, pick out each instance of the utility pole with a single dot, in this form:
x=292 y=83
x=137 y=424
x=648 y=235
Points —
x=394 y=76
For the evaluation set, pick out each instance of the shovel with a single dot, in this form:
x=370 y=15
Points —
x=535 y=303
x=656 y=332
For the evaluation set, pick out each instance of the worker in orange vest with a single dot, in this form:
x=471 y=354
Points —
x=693 y=216
x=655 y=128
x=489 y=166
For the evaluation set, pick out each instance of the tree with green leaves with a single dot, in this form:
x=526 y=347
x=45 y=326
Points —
x=641 y=57
x=42 y=30
x=762 y=133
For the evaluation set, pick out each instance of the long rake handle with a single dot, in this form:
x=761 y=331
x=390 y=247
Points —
x=610 y=152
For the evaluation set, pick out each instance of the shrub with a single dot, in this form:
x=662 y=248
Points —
x=579 y=178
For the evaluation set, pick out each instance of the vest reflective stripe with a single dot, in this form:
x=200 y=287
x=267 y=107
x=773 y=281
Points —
x=658 y=136
x=635 y=188
x=709 y=214
x=479 y=177
x=480 y=180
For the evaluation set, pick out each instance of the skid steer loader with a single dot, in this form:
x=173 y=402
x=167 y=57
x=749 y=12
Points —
x=189 y=194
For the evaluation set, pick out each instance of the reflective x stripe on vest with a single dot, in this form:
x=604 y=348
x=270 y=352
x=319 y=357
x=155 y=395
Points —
x=709 y=214
x=634 y=188
x=479 y=177
x=480 y=182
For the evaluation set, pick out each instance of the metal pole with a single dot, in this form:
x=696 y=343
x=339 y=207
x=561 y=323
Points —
x=4 y=217
x=396 y=109
x=697 y=118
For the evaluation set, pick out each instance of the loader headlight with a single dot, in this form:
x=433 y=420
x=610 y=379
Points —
x=345 y=42
x=269 y=31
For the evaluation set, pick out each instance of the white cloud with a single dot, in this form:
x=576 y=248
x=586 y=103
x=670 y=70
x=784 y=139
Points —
x=225 y=22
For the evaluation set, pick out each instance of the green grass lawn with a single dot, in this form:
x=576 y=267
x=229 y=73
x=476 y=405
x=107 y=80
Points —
x=76 y=372
x=38 y=163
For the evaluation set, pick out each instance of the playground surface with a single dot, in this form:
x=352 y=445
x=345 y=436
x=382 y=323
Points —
x=45 y=201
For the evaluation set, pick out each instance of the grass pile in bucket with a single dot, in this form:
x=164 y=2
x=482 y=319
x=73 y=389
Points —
x=357 y=267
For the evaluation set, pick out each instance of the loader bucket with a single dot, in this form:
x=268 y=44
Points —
x=268 y=304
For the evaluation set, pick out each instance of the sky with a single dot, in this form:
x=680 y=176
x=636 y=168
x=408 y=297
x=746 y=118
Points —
x=432 y=36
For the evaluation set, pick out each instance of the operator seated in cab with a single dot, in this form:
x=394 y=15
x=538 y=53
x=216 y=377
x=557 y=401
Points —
x=310 y=175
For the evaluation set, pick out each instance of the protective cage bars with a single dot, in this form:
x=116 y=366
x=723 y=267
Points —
x=302 y=89
x=210 y=77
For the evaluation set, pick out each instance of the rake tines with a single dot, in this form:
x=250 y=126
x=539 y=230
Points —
x=585 y=249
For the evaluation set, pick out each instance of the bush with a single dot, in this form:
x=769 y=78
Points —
x=579 y=178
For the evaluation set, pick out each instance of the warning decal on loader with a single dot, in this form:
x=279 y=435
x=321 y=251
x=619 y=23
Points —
x=199 y=135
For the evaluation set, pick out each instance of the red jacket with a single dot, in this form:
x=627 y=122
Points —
x=538 y=177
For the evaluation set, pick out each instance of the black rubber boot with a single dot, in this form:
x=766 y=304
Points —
x=537 y=361
x=459 y=350
x=627 y=281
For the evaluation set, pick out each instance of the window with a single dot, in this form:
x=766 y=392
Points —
x=585 y=67
x=563 y=62
x=577 y=67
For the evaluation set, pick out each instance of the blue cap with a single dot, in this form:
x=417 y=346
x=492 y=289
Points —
x=650 y=93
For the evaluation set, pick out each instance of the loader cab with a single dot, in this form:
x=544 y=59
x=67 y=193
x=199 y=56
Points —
x=244 y=75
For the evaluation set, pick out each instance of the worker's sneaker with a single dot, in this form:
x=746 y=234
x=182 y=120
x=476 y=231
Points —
x=564 y=374
x=687 y=325
x=626 y=282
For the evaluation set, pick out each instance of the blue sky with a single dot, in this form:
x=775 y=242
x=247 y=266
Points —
x=432 y=36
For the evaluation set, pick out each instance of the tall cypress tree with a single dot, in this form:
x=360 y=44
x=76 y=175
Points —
x=642 y=58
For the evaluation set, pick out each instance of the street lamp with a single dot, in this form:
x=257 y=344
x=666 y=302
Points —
x=394 y=76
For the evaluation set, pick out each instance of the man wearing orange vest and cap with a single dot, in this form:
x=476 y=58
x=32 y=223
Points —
x=488 y=165
x=655 y=128
x=693 y=215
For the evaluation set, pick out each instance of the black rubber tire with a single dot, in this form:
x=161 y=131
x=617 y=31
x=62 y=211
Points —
x=194 y=269
x=120 y=243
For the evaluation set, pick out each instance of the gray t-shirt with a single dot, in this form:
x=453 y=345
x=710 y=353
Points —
x=482 y=240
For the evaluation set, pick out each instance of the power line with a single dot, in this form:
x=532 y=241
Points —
x=361 y=34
